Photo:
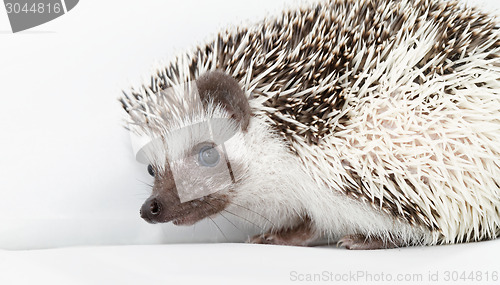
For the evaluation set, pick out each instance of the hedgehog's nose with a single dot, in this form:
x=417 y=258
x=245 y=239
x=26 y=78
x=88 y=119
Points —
x=150 y=210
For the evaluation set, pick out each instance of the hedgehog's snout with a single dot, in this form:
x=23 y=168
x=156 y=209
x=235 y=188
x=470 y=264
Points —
x=151 y=210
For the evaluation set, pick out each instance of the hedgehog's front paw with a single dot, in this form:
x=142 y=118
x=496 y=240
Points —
x=302 y=234
x=361 y=242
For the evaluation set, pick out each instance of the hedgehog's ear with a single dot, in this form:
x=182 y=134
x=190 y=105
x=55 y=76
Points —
x=222 y=89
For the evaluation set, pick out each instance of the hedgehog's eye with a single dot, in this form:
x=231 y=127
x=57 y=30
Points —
x=208 y=156
x=151 y=171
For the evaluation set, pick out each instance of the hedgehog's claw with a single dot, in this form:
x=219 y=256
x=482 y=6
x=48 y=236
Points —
x=279 y=239
x=266 y=238
x=361 y=242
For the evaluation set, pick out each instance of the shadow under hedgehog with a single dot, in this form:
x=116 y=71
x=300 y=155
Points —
x=372 y=123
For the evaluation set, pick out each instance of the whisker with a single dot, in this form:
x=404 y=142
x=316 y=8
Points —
x=262 y=229
x=219 y=229
x=259 y=214
x=224 y=216
x=216 y=223
x=147 y=184
x=231 y=223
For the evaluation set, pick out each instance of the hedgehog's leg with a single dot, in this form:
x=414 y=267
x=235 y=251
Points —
x=302 y=234
x=362 y=242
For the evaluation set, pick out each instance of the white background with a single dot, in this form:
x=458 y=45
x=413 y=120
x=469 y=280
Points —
x=67 y=173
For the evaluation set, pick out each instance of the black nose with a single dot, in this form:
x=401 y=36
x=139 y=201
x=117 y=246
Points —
x=150 y=210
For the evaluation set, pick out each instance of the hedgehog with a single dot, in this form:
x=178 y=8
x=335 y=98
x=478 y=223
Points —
x=368 y=123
